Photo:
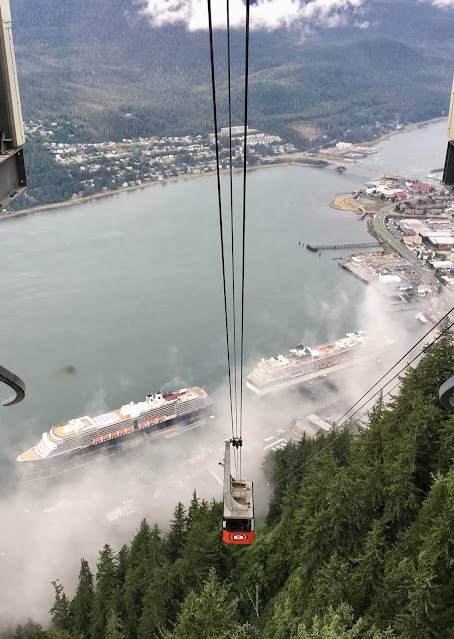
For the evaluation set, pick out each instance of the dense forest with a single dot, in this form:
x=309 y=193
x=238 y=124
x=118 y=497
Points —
x=358 y=542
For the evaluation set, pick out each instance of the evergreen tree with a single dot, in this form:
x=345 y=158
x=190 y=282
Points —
x=158 y=602
x=331 y=587
x=58 y=633
x=106 y=584
x=246 y=631
x=193 y=510
x=140 y=546
x=114 y=627
x=402 y=497
x=367 y=575
x=122 y=564
x=60 y=611
x=82 y=604
x=208 y=615
x=339 y=624
x=122 y=561
x=146 y=554
x=178 y=532
x=446 y=457
x=203 y=549
x=30 y=630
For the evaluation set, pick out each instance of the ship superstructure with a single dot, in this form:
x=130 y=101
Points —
x=86 y=434
x=305 y=364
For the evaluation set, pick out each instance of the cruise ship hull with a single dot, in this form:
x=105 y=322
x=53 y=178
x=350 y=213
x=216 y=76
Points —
x=261 y=382
x=87 y=439
x=300 y=379
x=43 y=468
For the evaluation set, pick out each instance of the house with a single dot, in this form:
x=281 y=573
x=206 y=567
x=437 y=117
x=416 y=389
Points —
x=417 y=186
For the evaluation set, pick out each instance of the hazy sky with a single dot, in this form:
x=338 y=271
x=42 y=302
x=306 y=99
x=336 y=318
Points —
x=266 y=14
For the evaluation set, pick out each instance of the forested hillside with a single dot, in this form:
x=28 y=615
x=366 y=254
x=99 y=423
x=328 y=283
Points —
x=358 y=542
x=95 y=62
x=101 y=71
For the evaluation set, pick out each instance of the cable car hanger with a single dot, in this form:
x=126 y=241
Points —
x=238 y=521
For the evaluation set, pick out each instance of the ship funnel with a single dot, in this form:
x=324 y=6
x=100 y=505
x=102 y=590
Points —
x=149 y=398
x=158 y=395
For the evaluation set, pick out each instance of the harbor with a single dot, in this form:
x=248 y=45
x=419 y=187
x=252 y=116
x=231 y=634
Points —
x=398 y=283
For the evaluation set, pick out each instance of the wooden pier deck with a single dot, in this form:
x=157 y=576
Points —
x=327 y=247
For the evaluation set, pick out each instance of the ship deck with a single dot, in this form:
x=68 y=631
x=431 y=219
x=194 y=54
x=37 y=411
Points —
x=318 y=354
x=113 y=419
x=29 y=455
x=260 y=387
x=81 y=424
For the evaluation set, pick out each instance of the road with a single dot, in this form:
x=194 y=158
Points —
x=378 y=224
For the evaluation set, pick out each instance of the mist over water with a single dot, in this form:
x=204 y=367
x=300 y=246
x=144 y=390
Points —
x=128 y=291
x=112 y=299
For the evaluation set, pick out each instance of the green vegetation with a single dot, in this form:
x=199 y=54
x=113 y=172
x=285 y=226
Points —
x=102 y=73
x=48 y=181
x=107 y=72
x=295 y=160
x=358 y=542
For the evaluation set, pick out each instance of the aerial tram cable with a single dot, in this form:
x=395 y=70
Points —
x=229 y=83
x=337 y=425
x=232 y=243
x=238 y=516
x=423 y=350
x=221 y=228
x=398 y=362
x=246 y=85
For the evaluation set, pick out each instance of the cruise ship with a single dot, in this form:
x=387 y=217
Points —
x=305 y=364
x=93 y=435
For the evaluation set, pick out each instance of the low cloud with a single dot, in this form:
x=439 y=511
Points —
x=440 y=4
x=264 y=14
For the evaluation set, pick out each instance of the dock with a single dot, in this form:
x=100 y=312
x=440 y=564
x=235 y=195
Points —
x=327 y=247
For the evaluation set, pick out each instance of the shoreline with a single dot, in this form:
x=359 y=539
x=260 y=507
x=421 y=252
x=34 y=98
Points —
x=409 y=127
x=288 y=162
x=96 y=196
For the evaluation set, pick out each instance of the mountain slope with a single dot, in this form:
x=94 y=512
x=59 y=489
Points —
x=96 y=61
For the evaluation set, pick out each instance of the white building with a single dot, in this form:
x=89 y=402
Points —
x=442 y=265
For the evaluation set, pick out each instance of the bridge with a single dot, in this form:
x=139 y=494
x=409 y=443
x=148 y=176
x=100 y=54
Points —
x=325 y=247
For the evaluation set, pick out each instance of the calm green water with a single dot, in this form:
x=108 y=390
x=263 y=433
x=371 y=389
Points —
x=128 y=290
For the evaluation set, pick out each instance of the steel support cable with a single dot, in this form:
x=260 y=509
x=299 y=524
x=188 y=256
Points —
x=221 y=230
x=397 y=363
x=235 y=386
x=336 y=437
x=246 y=85
x=423 y=350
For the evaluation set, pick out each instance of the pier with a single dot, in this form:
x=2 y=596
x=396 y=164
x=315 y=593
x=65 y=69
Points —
x=327 y=247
